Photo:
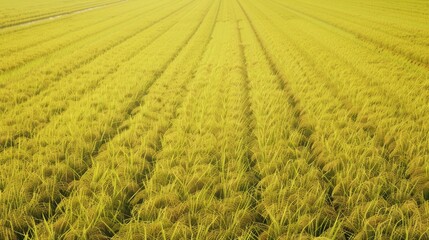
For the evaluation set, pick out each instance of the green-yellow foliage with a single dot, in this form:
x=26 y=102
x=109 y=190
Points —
x=214 y=119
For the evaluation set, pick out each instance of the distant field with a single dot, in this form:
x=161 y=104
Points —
x=214 y=119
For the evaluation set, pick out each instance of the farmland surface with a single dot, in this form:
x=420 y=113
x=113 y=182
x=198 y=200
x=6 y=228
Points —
x=214 y=119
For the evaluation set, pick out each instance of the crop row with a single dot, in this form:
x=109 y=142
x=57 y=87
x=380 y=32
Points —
x=408 y=27
x=20 y=14
x=104 y=191
x=202 y=184
x=64 y=149
x=24 y=120
x=20 y=86
x=216 y=119
x=23 y=38
x=385 y=13
x=378 y=99
x=417 y=53
x=365 y=188
x=86 y=37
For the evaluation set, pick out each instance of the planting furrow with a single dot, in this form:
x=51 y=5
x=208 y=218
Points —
x=418 y=54
x=25 y=120
x=363 y=187
x=121 y=167
x=64 y=150
x=289 y=180
x=200 y=185
x=19 y=59
x=259 y=223
x=18 y=92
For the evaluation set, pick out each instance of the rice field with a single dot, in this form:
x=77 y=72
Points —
x=214 y=119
